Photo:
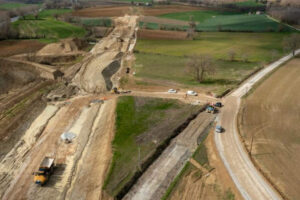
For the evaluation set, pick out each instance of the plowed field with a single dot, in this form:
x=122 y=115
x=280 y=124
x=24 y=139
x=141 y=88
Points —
x=270 y=115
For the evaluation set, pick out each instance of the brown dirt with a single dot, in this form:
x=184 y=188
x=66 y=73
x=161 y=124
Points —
x=11 y=47
x=158 y=34
x=271 y=115
x=212 y=184
x=110 y=11
x=153 y=19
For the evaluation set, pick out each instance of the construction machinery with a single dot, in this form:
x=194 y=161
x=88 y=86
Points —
x=211 y=109
x=45 y=170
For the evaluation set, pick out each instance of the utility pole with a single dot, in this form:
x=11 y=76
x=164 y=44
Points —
x=250 y=152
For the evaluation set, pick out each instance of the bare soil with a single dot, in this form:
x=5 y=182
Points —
x=270 y=115
x=13 y=47
x=158 y=34
x=158 y=20
x=112 y=11
x=200 y=183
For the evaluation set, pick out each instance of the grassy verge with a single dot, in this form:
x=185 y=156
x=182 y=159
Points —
x=187 y=167
x=141 y=126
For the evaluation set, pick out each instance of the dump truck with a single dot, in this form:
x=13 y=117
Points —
x=45 y=170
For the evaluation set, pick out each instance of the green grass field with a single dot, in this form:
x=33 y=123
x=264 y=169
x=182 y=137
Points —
x=249 y=3
x=166 y=59
x=48 y=28
x=230 y=21
x=107 y=22
x=51 y=12
x=136 y=116
x=13 y=5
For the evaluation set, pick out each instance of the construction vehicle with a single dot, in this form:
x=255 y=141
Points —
x=211 y=109
x=45 y=170
x=115 y=91
x=119 y=91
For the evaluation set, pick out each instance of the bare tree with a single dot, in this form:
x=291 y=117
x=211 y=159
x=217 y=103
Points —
x=231 y=54
x=292 y=43
x=199 y=66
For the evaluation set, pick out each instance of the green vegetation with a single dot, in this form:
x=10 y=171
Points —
x=200 y=155
x=52 y=12
x=139 y=118
x=14 y=5
x=48 y=29
x=230 y=21
x=166 y=59
x=249 y=3
x=107 y=22
x=187 y=168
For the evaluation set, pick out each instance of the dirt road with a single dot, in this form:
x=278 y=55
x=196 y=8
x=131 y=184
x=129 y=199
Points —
x=248 y=180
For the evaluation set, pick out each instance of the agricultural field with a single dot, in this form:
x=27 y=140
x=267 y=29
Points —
x=270 y=115
x=156 y=58
x=51 y=12
x=14 y=47
x=142 y=125
x=48 y=28
x=13 y=5
x=210 y=20
x=114 y=11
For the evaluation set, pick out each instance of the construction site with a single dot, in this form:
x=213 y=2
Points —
x=85 y=119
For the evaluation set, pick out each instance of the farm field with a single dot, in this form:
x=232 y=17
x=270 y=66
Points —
x=210 y=20
x=155 y=59
x=113 y=11
x=13 y=5
x=48 y=28
x=51 y=12
x=133 y=132
x=270 y=115
x=13 y=47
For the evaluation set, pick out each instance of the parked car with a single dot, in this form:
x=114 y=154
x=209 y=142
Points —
x=218 y=104
x=219 y=129
x=172 y=91
x=191 y=93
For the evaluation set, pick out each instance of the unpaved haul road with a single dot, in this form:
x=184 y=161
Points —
x=247 y=178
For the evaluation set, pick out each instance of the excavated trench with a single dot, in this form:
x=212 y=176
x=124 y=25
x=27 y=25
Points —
x=145 y=165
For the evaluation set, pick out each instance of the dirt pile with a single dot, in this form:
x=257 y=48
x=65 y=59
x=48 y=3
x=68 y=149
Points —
x=67 y=46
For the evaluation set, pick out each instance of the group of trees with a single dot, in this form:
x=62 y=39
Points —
x=287 y=14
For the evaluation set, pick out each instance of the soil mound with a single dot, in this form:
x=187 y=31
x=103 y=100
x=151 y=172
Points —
x=64 y=47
